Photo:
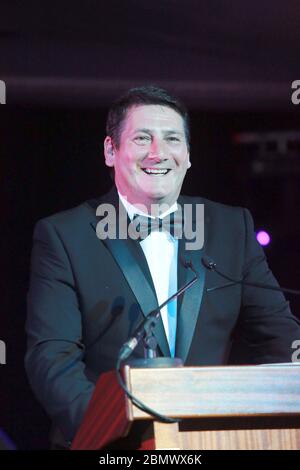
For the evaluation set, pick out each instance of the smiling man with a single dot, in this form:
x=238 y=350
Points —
x=87 y=295
x=151 y=156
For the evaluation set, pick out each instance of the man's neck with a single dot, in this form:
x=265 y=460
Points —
x=154 y=209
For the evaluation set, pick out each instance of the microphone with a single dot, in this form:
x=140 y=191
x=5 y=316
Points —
x=142 y=330
x=212 y=266
x=151 y=319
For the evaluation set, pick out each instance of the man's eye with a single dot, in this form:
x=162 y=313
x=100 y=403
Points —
x=142 y=138
x=173 y=139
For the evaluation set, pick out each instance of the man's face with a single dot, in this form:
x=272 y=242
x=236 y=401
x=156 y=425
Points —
x=152 y=159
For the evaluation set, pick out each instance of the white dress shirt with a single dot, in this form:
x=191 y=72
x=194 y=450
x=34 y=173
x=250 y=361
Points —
x=161 y=252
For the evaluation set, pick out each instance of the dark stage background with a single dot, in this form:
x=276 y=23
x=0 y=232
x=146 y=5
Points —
x=232 y=64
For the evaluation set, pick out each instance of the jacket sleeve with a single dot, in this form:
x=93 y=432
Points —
x=266 y=328
x=55 y=351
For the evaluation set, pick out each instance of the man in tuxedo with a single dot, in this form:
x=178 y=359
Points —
x=88 y=293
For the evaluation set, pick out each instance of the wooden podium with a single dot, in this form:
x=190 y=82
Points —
x=240 y=408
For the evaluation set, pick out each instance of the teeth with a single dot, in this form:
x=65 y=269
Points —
x=155 y=172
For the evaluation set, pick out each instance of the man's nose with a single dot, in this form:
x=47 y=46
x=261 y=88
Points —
x=157 y=149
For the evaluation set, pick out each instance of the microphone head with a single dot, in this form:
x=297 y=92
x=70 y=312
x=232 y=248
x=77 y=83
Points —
x=208 y=263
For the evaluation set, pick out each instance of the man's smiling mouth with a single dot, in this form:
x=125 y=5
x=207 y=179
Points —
x=156 y=171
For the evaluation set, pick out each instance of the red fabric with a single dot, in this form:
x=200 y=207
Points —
x=149 y=444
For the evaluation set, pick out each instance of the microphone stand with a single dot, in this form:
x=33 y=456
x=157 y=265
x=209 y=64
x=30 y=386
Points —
x=145 y=332
x=212 y=266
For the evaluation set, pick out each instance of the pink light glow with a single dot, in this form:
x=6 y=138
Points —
x=263 y=238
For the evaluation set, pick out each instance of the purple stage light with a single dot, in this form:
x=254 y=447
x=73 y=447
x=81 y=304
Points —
x=263 y=238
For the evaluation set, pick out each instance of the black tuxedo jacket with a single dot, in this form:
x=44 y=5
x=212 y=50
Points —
x=87 y=295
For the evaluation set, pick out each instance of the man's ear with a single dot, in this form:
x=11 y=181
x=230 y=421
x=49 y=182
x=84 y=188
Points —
x=109 y=151
x=189 y=161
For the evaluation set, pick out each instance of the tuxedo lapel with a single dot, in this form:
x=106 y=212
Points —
x=188 y=306
x=131 y=260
